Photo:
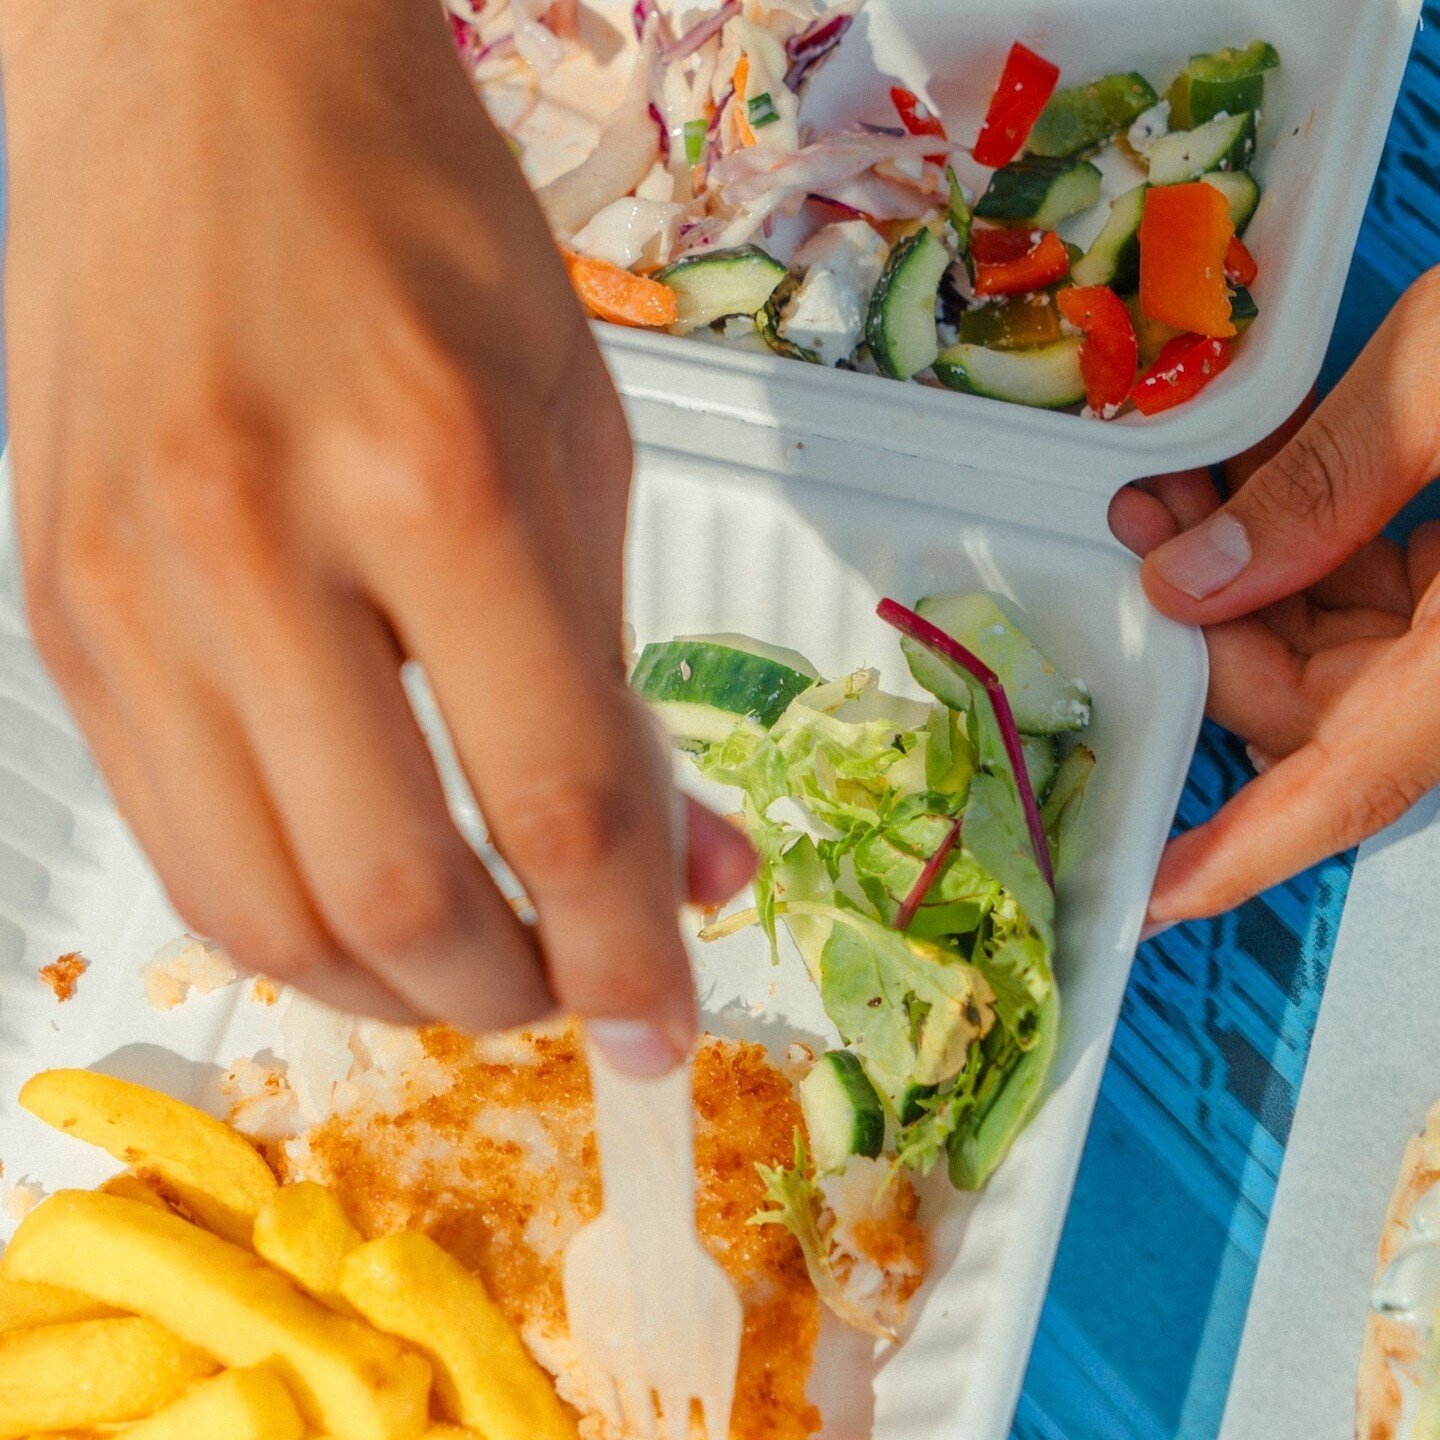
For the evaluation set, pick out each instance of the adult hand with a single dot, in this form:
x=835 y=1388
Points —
x=299 y=391
x=1324 y=639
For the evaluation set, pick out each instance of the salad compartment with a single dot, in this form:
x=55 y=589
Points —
x=1325 y=115
x=801 y=563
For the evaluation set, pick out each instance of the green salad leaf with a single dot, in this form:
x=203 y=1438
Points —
x=798 y=1203
x=868 y=811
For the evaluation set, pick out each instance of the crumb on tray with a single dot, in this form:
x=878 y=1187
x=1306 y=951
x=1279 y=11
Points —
x=63 y=974
x=184 y=967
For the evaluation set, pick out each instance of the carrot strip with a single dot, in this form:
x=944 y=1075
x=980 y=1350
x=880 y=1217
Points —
x=610 y=293
x=742 y=120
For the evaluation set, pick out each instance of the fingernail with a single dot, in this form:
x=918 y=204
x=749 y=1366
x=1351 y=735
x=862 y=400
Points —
x=1205 y=559
x=1152 y=928
x=636 y=1048
x=1258 y=759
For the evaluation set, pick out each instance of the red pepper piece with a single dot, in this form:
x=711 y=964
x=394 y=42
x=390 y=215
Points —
x=917 y=119
x=1109 y=351
x=1240 y=266
x=1184 y=234
x=1017 y=262
x=1183 y=368
x=1026 y=85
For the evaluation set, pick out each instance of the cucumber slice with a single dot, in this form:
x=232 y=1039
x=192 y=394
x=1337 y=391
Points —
x=1088 y=115
x=1042 y=760
x=1241 y=191
x=1244 y=312
x=1229 y=82
x=725 y=282
x=1045 y=702
x=961 y=218
x=843 y=1113
x=910 y=1108
x=767 y=323
x=1018 y=324
x=1040 y=192
x=900 y=329
x=1048 y=378
x=702 y=688
x=1225 y=143
x=1114 y=255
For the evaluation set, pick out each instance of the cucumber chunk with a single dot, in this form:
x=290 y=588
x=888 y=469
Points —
x=1088 y=115
x=703 y=688
x=1230 y=81
x=767 y=323
x=1040 y=192
x=1042 y=760
x=725 y=282
x=1047 y=378
x=842 y=1110
x=1241 y=192
x=900 y=328
x=1045 y=702
x=1225 y=143
x=1114 y=255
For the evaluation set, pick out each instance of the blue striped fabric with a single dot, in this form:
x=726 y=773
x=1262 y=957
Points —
x=1140 y=1329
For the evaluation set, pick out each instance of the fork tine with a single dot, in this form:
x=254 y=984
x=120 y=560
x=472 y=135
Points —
x=605 y=1394
x=675 y=1414
x=638 y=1399
x=716 y=1410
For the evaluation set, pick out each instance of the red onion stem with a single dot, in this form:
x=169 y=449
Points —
x=934 y=639
x=905 y=915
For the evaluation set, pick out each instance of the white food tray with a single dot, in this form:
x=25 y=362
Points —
x=714 y=545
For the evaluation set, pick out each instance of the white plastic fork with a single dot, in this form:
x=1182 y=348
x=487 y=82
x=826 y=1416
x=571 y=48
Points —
x=655 y=1318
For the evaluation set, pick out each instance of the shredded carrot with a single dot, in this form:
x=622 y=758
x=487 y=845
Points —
x=740 y=81
x=610 y=293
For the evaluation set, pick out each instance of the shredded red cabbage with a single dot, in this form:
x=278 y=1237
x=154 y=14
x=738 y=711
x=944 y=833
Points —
x=934 y=639
x=849 y=211
x=813 y=46
x=659 y=120
x=928 y=876
x=697 y=35
x=505 y=45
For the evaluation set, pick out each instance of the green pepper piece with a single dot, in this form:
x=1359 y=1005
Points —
x=1229 y=82
x=1088 y=115
x=1015 y=325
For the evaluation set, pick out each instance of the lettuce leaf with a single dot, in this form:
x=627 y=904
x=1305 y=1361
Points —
x=798 y=1205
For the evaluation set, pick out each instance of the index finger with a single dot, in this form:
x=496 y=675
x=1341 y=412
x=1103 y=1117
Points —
x=1373 y=756
x=563 y=760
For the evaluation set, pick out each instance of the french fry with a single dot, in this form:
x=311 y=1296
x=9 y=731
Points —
x=23 y=1305
x=407 y=1285
x=129 y=1186
x=302 y=1230
x=235 y=1405
x=215 y=1174
x=347 y=1379
x=91 y=1372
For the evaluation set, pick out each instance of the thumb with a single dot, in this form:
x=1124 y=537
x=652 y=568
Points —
x=1372 y=446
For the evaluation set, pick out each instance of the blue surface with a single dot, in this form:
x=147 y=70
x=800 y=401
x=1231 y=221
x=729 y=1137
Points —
x=1143 y=1320
x=1140 y=1329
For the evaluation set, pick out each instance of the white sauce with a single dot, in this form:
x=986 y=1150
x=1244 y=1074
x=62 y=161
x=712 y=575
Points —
x=1408 y=1291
